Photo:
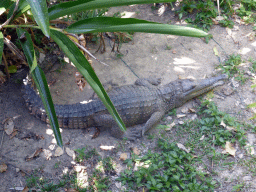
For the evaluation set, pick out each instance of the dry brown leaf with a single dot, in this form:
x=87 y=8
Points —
x=227 y=127
x=250 y=149
x=202 y=138
x=26 y=189
x=58 y=152
x=191 y=110
x=215 y=50
x=170 y=126
x=72 y=190
x=107 y=148
x=230 y=149
x=34 y=155
x=181 y=115
x=123 y=156
x=8 y=126
x=3 y=167
x=229 y=31
x=219 y=18
x=70 y=153
x=251 y=36
x=18 y=188
x=182 y=147
x=14 y=133
x=136 y=151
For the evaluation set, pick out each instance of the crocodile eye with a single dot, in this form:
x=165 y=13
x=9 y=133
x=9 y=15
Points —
x=188 y=85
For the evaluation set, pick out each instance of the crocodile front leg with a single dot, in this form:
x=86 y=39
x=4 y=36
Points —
x=148 y=82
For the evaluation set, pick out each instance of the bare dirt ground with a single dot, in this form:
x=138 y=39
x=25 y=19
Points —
x=166 y=56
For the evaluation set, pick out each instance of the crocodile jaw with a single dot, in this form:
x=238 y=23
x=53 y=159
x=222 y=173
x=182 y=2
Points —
x=199 y=87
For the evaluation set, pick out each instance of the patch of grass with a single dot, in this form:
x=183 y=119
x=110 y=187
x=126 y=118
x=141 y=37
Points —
x=238 y=187
x=226 y=22
x=32 y=181
x=57 y=164
x=173 y=112
x=253 y=67
x=209 y=131
x=169 y=169
x=230 y=67
x=204 y=12
x=201 y=13
x=168 y=47
x=82 y=155
x=98 y=182
x=211 y=124
x=250 y=164
x=247 y=11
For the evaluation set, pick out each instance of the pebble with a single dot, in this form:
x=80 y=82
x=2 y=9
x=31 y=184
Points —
x=251 y=138
x=168 y=118
x=234 y=83
x=227 y=91
x=136 y=151
x=247 y=178
x=124 y=156
x=181 y=115
x=193 y=117
x=170 y=126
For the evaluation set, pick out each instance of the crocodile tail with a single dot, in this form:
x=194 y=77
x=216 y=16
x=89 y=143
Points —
x=69 y=116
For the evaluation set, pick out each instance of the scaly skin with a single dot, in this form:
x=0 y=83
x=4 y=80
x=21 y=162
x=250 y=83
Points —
x=143 y=104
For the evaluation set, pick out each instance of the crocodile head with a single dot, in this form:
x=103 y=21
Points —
x=193 y=88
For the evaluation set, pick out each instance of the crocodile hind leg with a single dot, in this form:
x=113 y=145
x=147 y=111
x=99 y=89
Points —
x=138 y=131
x=106 y=122
x=153 y=121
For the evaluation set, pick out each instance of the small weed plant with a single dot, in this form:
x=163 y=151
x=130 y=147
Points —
x=211 y=125
x=202 y=14
x=231 y=68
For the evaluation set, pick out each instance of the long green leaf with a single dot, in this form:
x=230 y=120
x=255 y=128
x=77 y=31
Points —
x=1 y=45
x=41 y=83
x=40 y=13
x=68 y=8
x=110 y=24
x=81 y=63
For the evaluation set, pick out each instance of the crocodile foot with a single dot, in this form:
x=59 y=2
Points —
x=134 y=132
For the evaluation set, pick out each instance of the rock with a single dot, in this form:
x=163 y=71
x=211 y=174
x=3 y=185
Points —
x=58 y=152
x=170 y=126
x=181 y=122
x=184 y=110
x=168 y=118
x=234 y=83
x=136 y=151
x=241 y=156
x=251 y=138
x=247 y=178
x=181 y=115
x=193 y=117
x=41 y=57
x=227 y=91
x=124 y=156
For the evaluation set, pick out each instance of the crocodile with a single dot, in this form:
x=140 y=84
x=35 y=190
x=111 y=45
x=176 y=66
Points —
x=141 y=105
